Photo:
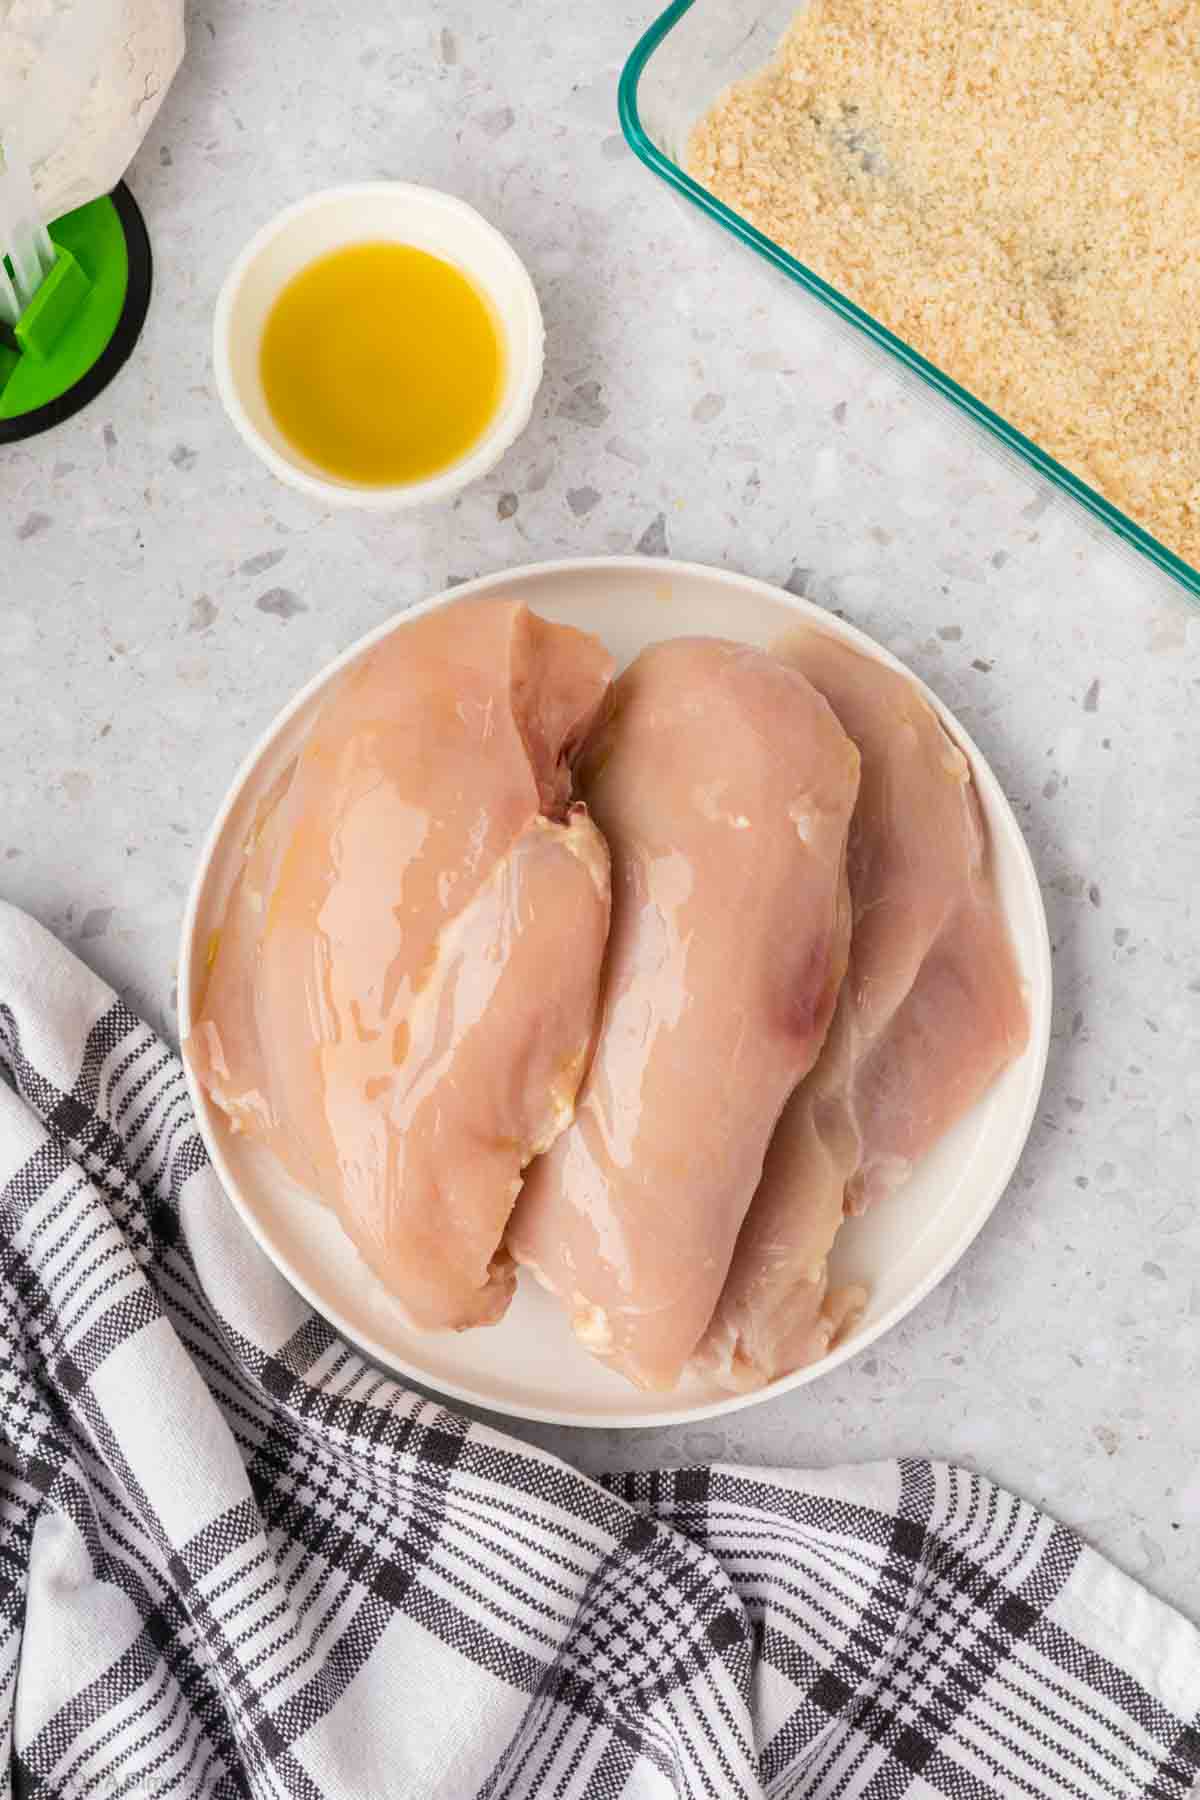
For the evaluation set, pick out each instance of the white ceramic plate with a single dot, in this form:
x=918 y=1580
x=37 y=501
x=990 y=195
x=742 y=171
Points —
x=530 y=1365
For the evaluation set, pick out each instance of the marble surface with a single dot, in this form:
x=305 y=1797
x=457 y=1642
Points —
x=161 y=596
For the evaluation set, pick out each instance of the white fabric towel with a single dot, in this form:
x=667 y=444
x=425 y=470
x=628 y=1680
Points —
x=237 y=1561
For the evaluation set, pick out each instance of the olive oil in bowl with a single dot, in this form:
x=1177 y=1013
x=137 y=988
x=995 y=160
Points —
x=382 y=364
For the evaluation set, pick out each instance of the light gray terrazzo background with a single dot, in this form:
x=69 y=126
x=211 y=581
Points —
x=161 y=596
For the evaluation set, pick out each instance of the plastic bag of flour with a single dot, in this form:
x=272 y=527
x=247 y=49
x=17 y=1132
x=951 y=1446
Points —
x=80 y=83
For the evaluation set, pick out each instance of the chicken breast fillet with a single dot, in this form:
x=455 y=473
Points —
x=406 y=982
x=724 y=785
x=931 y=1010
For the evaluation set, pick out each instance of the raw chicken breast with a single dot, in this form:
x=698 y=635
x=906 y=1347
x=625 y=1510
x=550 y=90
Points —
x=407 y=979
x=931 y=1010
x=725 y=786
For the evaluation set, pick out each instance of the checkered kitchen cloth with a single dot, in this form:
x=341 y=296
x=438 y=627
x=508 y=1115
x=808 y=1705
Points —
x=235 y=1560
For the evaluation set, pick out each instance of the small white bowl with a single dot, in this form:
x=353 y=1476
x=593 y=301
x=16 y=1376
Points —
x=365 y=212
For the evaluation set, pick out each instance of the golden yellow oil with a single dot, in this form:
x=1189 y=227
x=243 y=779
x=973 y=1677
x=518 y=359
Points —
x=382 y=363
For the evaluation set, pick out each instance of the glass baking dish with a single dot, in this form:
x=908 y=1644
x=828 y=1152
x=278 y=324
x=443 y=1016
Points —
x=690 y=54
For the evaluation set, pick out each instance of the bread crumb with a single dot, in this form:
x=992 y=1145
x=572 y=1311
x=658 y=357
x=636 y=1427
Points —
x=1014 y=190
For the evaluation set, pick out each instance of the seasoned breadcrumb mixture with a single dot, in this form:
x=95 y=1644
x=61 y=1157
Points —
x=1013 y=188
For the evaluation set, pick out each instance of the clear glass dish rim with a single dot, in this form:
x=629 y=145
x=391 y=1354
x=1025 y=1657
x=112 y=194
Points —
x=998 y=427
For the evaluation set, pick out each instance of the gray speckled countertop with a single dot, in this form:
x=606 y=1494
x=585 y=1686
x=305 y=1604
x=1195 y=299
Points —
x=161 y=596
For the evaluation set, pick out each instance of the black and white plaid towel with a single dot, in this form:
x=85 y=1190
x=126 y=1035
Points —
x=235 y=1560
